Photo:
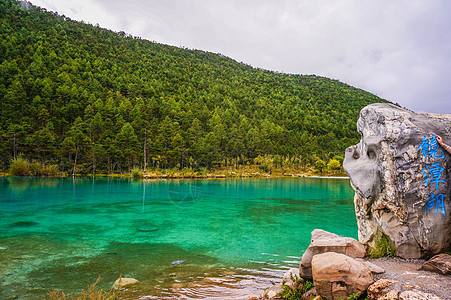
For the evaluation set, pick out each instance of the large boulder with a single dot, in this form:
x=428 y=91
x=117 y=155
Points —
x=402 y=179
x=440 y=263
x=322 y=242
x=337 y=276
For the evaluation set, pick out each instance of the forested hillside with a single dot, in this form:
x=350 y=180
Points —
x=73 y=93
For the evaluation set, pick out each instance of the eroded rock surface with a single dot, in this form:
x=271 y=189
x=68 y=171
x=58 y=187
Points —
x=337 y=276
x=440 y=263
x=322 y=242
x=402 y=179
x=380 y=290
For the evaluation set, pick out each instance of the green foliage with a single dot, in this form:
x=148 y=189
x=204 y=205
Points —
x=92 y=99
x=290 y=293
x=90 y=294
x=307 y=286
x=296 y=290
x=381 y=246
x=265 y=163
x=136 y=173
x=320 y=165
x=22 y=167
x=354 y=296
x=357 y=296
x=19 y=167
x=333 y=165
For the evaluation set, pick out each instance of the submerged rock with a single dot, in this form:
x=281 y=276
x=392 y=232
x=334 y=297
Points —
x=322 y=242
x=124 y=282
x=178 y=262
x=147 y=229
x=177 y=286
x=24 y=224
x=402 y=179
x=337 y=276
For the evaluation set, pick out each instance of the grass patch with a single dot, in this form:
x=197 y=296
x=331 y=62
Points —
x=382 y=246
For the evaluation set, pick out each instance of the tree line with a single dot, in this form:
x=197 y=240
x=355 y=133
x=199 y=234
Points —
x=90 y=100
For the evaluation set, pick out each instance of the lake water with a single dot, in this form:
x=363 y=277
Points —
x=236 y=235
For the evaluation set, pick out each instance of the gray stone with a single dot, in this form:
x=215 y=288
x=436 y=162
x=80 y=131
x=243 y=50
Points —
x=291 y=273
x=322 y=242
x=393 y=182
x=381 y=290
x=310 y=294
x=272 y=292
x=124 y=282
x=440 y=263
x=375 y=269
x=337 y=276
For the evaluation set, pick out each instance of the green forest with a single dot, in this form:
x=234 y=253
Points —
x=84 y=99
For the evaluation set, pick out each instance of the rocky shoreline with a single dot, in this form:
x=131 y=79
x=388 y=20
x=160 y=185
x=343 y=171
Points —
x=332 y=267
x=339 y=269
x=402 y=181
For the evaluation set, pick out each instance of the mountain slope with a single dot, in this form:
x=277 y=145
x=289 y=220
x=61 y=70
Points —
x=75 y=92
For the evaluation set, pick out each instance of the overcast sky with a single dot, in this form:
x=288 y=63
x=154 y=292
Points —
x=399 y=50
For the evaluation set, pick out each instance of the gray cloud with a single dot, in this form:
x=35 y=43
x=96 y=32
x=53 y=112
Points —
x=399 y=50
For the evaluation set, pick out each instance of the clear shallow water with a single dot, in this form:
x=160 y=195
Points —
x=236 y=234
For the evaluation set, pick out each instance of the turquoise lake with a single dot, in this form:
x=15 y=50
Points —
x=236 y=235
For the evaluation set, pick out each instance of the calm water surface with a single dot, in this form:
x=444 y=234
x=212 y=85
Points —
x=236 y=235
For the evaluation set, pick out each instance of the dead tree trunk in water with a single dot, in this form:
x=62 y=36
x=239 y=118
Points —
x=75 y=162
x=145 y=143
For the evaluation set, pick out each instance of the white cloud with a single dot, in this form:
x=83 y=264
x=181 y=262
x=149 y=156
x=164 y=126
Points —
x=87 y=10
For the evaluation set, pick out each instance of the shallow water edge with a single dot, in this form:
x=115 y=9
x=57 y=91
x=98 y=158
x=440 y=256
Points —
x=237 y=235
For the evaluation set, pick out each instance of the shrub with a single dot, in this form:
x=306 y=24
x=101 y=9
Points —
x=299 y=287
x=382 y=246
x=137 y=173
x=19 y=167
x=36 y=169
x=51 y=170
x=266 y=166
x=333 y=164
x=320 y=165
x=22 y=167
